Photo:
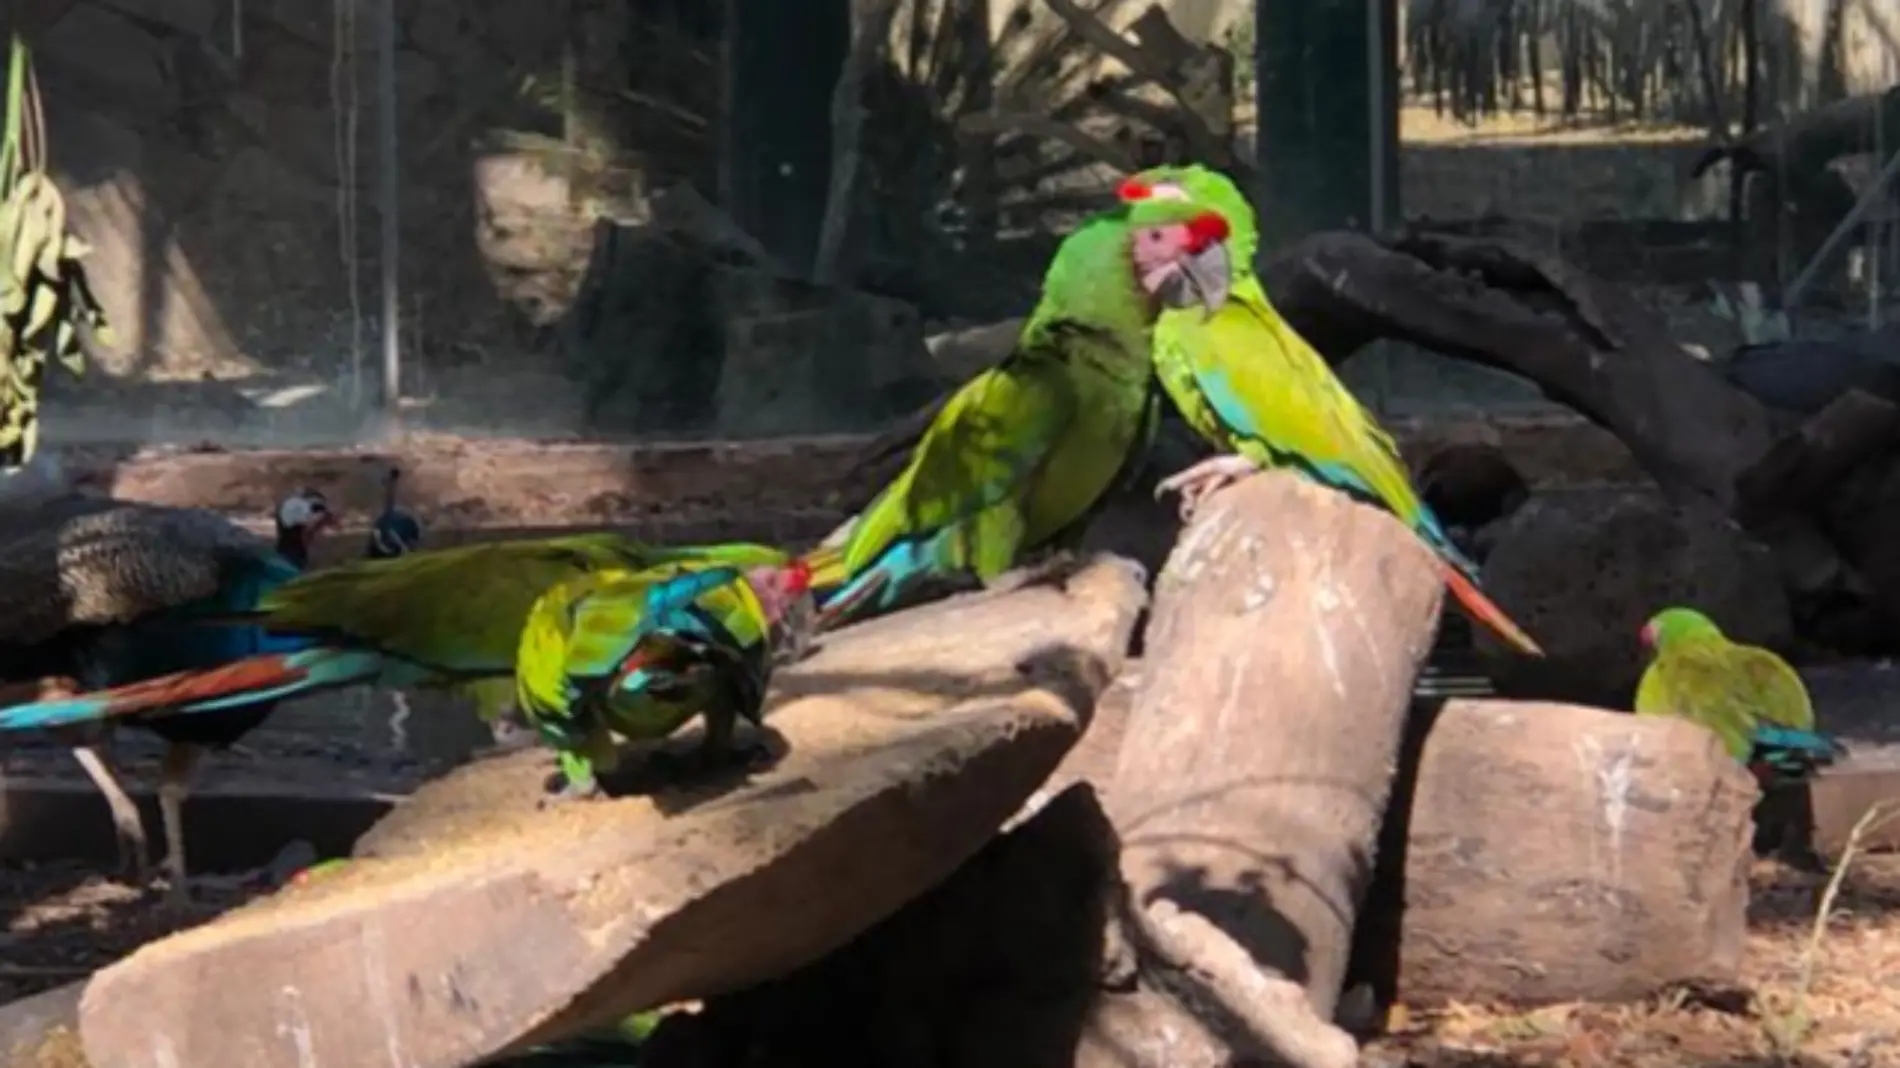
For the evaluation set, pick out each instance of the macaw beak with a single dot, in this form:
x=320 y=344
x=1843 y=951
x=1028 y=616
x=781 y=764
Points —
x=1203 y=278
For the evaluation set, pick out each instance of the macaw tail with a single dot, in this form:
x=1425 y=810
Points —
x=1789 y=755
x=254 y=679
x=1486 y=611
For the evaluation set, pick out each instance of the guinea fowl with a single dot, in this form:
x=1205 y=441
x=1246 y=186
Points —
x=106 y=594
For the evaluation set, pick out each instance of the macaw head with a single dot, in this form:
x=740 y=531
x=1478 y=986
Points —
x=784 y=592
x=1210 y=189
x=1671 y=624
x=300 y=517
x=1178 y=249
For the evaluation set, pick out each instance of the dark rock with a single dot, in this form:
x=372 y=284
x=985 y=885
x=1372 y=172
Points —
x=1582 y=570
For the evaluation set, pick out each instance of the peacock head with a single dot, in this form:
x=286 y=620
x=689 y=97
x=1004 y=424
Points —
x=306 y=511
x=395 y=531
x=1671 y=624
x=1178 y=248
x=300 y=518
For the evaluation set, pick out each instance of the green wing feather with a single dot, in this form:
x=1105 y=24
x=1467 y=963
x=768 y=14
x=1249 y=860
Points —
x=970 y=472
x=460 y=610
x=1726 y=687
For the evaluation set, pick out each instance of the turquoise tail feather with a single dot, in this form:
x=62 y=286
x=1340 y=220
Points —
x=1789 y=754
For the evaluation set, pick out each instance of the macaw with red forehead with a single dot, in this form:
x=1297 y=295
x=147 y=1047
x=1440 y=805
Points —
x=1020 y=457
x=1249 y=384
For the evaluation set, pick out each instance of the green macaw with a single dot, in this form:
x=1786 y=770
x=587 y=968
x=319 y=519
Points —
x=1246 y=381
x=452 y=617
x=635 y=654
x=1751 y=698
x=1020 y=457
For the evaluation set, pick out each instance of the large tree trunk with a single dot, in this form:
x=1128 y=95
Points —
x=1287 y=630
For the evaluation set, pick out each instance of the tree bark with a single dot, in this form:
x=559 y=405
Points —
x=1557 y=853
x=1287 y=630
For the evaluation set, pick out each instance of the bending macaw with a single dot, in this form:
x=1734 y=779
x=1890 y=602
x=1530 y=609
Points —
x=1020 y=457
x=1249 y=384
x=447 y=618
x=1751 y=698
x=635 y=654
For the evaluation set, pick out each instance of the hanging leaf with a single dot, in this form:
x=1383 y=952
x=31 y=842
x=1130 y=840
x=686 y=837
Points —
x=47 y=307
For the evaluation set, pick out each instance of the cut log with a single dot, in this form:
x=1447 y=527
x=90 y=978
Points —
x=1558 y=853
x=1288 y=628
x=477 y=923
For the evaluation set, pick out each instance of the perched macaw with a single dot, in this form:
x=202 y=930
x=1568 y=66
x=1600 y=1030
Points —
x=638 y=653
x=1020 y=457
x=1750 y=698
x=1249 y=384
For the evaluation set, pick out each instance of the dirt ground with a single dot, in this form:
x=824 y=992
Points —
x=62 y=921
x=1848 y=1018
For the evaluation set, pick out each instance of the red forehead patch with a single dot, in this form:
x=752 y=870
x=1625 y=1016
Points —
x=1207 y=229
x=1133 y=189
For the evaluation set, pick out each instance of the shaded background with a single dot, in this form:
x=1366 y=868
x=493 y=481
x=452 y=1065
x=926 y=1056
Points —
x=610 y=209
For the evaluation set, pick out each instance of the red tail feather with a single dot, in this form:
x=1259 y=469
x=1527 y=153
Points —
x=167 y=691
x=1485 y=610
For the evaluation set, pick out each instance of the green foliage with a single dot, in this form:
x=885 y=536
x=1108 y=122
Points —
x=45 y=301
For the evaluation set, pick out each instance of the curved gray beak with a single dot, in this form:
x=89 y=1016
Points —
x=1204 y=278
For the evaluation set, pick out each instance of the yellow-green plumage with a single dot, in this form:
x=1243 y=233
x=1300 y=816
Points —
x=1249 y=384
x=1024 y=452
x=456 y=614
x=1752 y=699
x=637 y=654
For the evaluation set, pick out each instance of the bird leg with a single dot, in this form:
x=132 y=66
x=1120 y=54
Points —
x=127 y=826
x=1198 y=481
x=173 y=786
x=721 y=749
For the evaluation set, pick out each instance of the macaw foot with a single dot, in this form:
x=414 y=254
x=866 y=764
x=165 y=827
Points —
x=563 y=790
x=1195 y=484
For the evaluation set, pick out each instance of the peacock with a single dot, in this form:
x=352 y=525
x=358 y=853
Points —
x=395 y=531
x=111 y=604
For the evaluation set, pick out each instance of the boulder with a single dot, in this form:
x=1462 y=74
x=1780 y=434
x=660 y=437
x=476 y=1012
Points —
x=1581 y=570
x=476 y=921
